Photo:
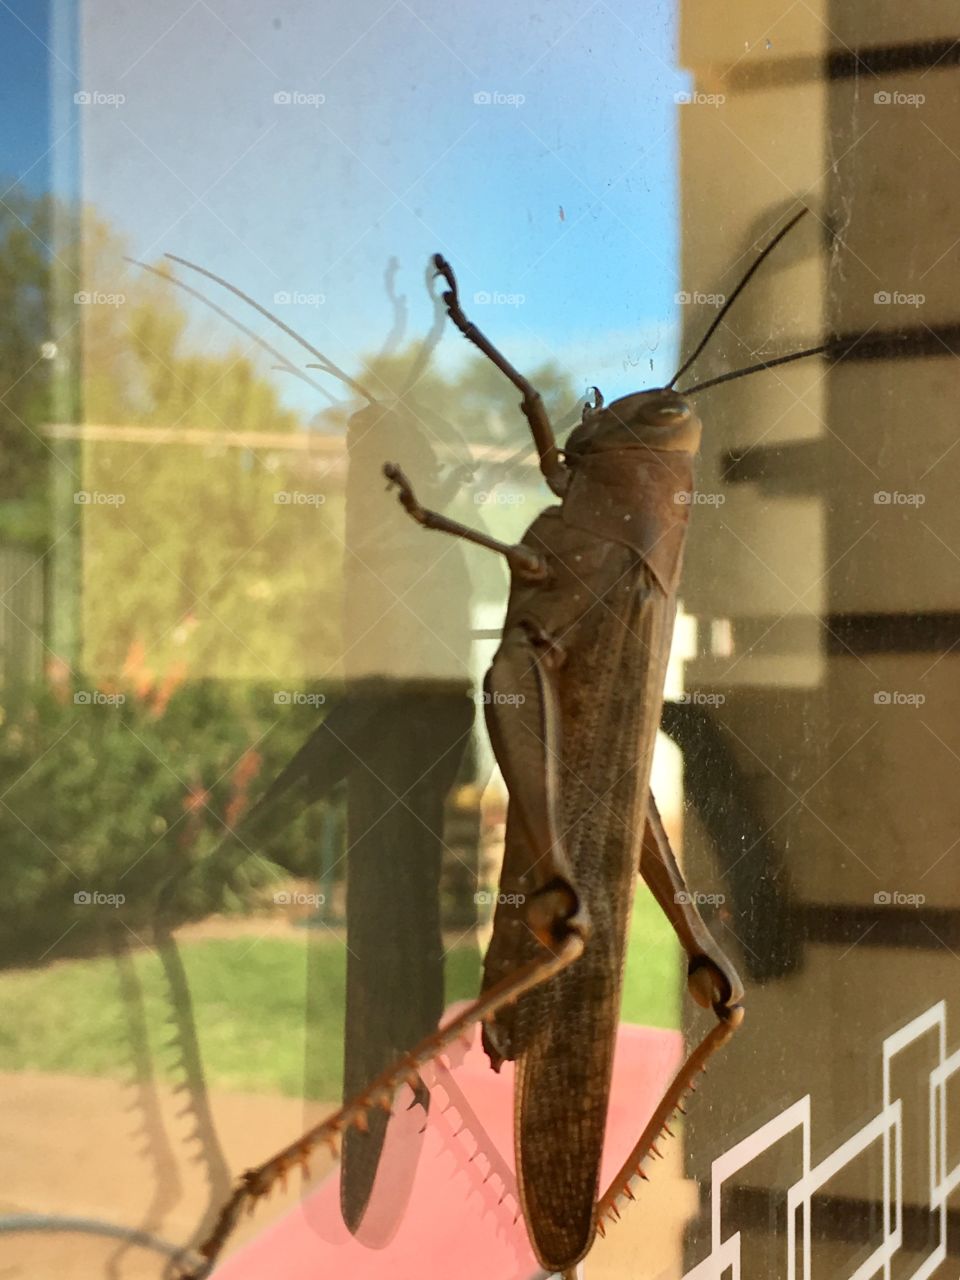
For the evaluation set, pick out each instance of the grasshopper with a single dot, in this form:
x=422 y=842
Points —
x=573 y=704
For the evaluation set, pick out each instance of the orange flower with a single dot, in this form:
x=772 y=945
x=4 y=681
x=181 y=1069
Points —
x=168 y=687
x=58 y=677
x=135 y=670
x=195 y=799
x=247 y=768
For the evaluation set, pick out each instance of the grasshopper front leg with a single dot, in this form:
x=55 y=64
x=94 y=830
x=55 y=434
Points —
x=531 y=406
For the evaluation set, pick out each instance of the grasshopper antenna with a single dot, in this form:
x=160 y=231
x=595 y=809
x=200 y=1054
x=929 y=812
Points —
x=284 y=366
x=718 y=319
x=327 y=365
x=757 y=368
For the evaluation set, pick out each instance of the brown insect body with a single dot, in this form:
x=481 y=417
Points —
x=601 y=625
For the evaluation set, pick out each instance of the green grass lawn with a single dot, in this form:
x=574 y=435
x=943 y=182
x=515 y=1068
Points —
x=249 y=1005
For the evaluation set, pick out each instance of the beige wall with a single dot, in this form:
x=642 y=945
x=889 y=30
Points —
x=858 y=797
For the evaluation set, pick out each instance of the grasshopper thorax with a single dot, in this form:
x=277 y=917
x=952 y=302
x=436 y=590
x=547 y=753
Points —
x=658 y=419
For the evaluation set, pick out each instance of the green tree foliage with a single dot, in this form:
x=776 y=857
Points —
x=218 y=546
x=26 y=229
x=111 y=793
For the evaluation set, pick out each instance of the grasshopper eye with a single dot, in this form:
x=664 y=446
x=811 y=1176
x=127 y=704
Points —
x=672 y=411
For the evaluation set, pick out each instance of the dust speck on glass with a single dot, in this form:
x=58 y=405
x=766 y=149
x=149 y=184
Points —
x=479 y=641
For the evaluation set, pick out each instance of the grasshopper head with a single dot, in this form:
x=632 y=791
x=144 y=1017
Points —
x=657 y=419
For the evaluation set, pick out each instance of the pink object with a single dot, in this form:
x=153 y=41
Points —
x=432 y=1213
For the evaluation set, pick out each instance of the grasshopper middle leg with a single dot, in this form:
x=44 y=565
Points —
x=712 y=980
x=522 y=560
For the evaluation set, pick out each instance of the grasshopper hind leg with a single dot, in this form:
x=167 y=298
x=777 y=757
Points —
x=257 y=1183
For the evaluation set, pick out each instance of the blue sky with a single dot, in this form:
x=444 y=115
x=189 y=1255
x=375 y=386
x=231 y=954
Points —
x=24 y=95
x=561 y=190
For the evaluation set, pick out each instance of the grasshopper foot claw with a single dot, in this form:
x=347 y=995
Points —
x=710 y=988
x=555 y=912
x=443 y=268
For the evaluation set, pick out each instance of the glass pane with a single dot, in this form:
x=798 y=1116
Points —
x=268 y=824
